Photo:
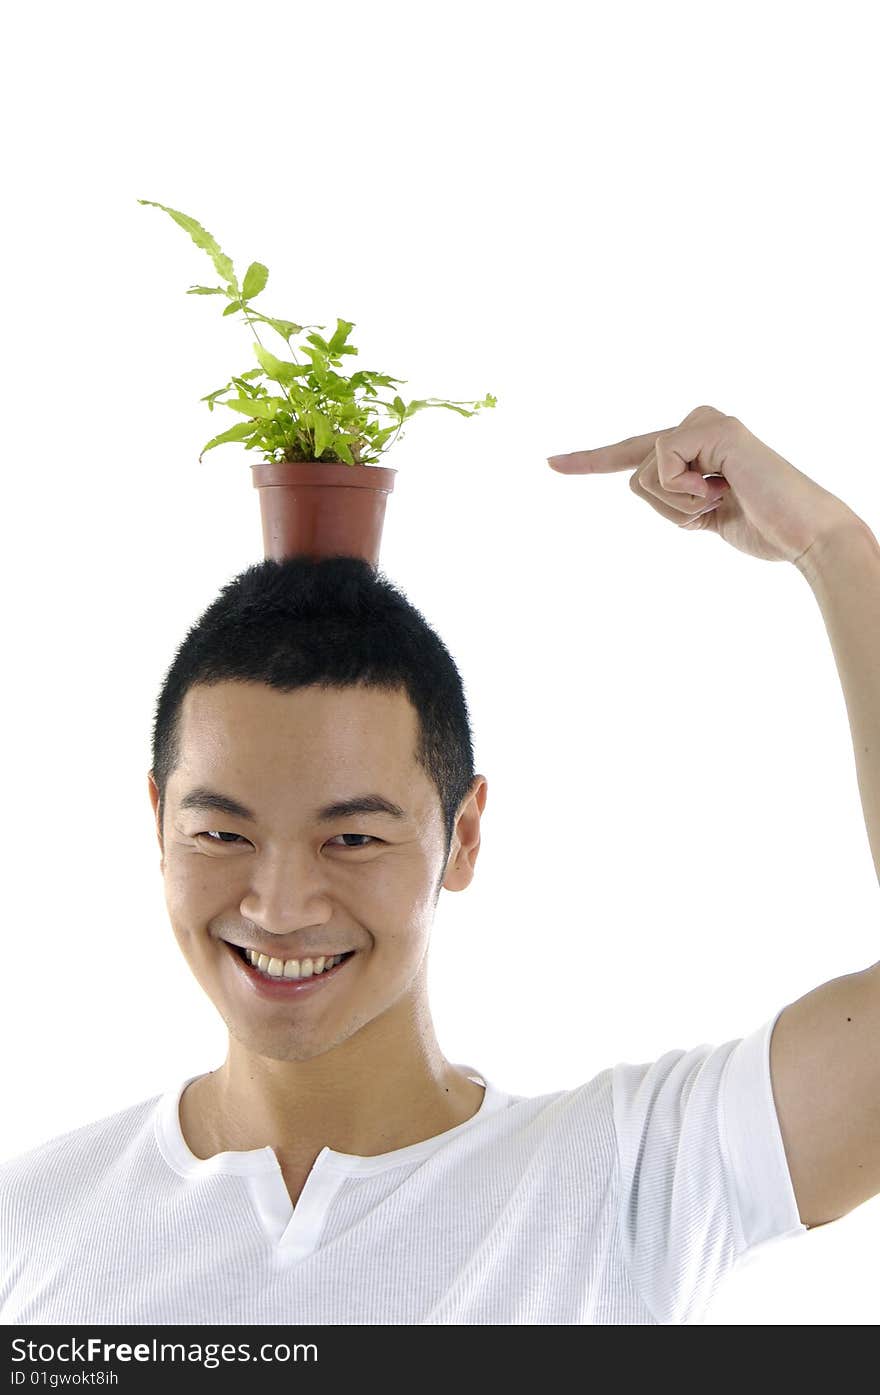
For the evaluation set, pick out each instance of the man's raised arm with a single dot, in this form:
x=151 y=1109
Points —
x=825 y=1051
x=710 y=473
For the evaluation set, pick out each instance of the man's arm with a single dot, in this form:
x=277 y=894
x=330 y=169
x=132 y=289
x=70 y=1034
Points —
x=825 y=1050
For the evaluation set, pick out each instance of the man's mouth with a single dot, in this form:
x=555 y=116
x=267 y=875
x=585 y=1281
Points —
x=290 y=976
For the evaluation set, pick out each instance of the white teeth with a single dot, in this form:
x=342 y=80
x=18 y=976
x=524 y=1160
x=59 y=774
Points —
x=292 y=968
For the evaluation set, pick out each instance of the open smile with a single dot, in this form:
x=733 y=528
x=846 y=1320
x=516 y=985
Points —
x=267 y=986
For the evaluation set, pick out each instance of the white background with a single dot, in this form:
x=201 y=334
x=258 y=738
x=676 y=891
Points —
x=606 y=215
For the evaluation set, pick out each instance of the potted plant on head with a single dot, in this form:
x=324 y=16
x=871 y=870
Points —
x=321 y=494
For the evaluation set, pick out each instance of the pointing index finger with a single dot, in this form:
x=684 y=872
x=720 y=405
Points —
x=606 y=460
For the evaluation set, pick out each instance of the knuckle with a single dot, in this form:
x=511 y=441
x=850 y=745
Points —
x=702 y=411
x=634 y=482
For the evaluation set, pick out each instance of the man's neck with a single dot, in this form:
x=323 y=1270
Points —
x=298 y=1108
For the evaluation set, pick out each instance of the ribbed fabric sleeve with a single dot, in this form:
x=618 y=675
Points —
x=704 y=1177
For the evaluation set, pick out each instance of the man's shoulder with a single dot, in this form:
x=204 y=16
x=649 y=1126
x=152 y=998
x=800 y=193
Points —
x=75 y=1158
x=579 y=1113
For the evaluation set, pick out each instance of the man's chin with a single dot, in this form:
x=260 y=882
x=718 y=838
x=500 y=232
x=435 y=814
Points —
x=282 y=1044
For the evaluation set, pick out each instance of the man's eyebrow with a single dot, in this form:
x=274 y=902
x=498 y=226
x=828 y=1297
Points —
x=204 y=798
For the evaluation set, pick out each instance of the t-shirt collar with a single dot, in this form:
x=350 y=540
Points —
x=176 y=1151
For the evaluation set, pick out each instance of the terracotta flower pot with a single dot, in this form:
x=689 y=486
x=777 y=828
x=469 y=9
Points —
x=322 y=510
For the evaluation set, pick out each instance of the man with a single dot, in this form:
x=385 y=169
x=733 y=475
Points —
x=314 y=790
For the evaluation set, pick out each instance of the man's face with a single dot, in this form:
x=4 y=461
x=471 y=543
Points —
x=288 y=881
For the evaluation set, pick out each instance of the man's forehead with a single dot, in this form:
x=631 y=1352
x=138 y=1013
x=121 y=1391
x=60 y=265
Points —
x=345 y=758
x=306 y=707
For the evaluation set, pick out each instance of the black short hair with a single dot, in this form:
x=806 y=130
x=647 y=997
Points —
x=332 y=622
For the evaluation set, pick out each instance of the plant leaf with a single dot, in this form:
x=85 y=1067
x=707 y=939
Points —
x=262 y=407
x=245 y=387
x=206 y=290
x=239 y=432
x=488 y=401
x=382 y=436
x=318 y=342
x=202 y=239
x=360 y=379
x=323 y=432
x=276 y=368
x=462 y=412
x=286 y=328
x=343 y=330
x=255 y=279
x=210 y=396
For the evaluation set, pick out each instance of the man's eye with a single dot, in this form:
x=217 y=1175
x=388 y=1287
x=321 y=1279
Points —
x=214 y=835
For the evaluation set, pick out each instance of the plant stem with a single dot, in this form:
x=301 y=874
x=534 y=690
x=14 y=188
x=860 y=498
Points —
x=262 y=346
x=398 y=431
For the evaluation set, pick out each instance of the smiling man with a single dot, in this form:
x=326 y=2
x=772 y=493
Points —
x=314 y=790
x=324 y=867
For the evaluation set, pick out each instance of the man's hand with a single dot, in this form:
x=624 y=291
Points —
x=759 y=502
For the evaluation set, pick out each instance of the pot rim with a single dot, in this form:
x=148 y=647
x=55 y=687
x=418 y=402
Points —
x=268 y=473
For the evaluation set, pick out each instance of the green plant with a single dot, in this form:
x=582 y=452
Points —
x=320 y=416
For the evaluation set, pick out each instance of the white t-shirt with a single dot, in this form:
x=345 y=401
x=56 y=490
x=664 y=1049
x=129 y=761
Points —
x=624 y=1200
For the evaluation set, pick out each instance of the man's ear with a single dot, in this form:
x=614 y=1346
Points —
x=466 y=837
x=154 y=800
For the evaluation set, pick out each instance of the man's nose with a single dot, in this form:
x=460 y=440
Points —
x=288 y=889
